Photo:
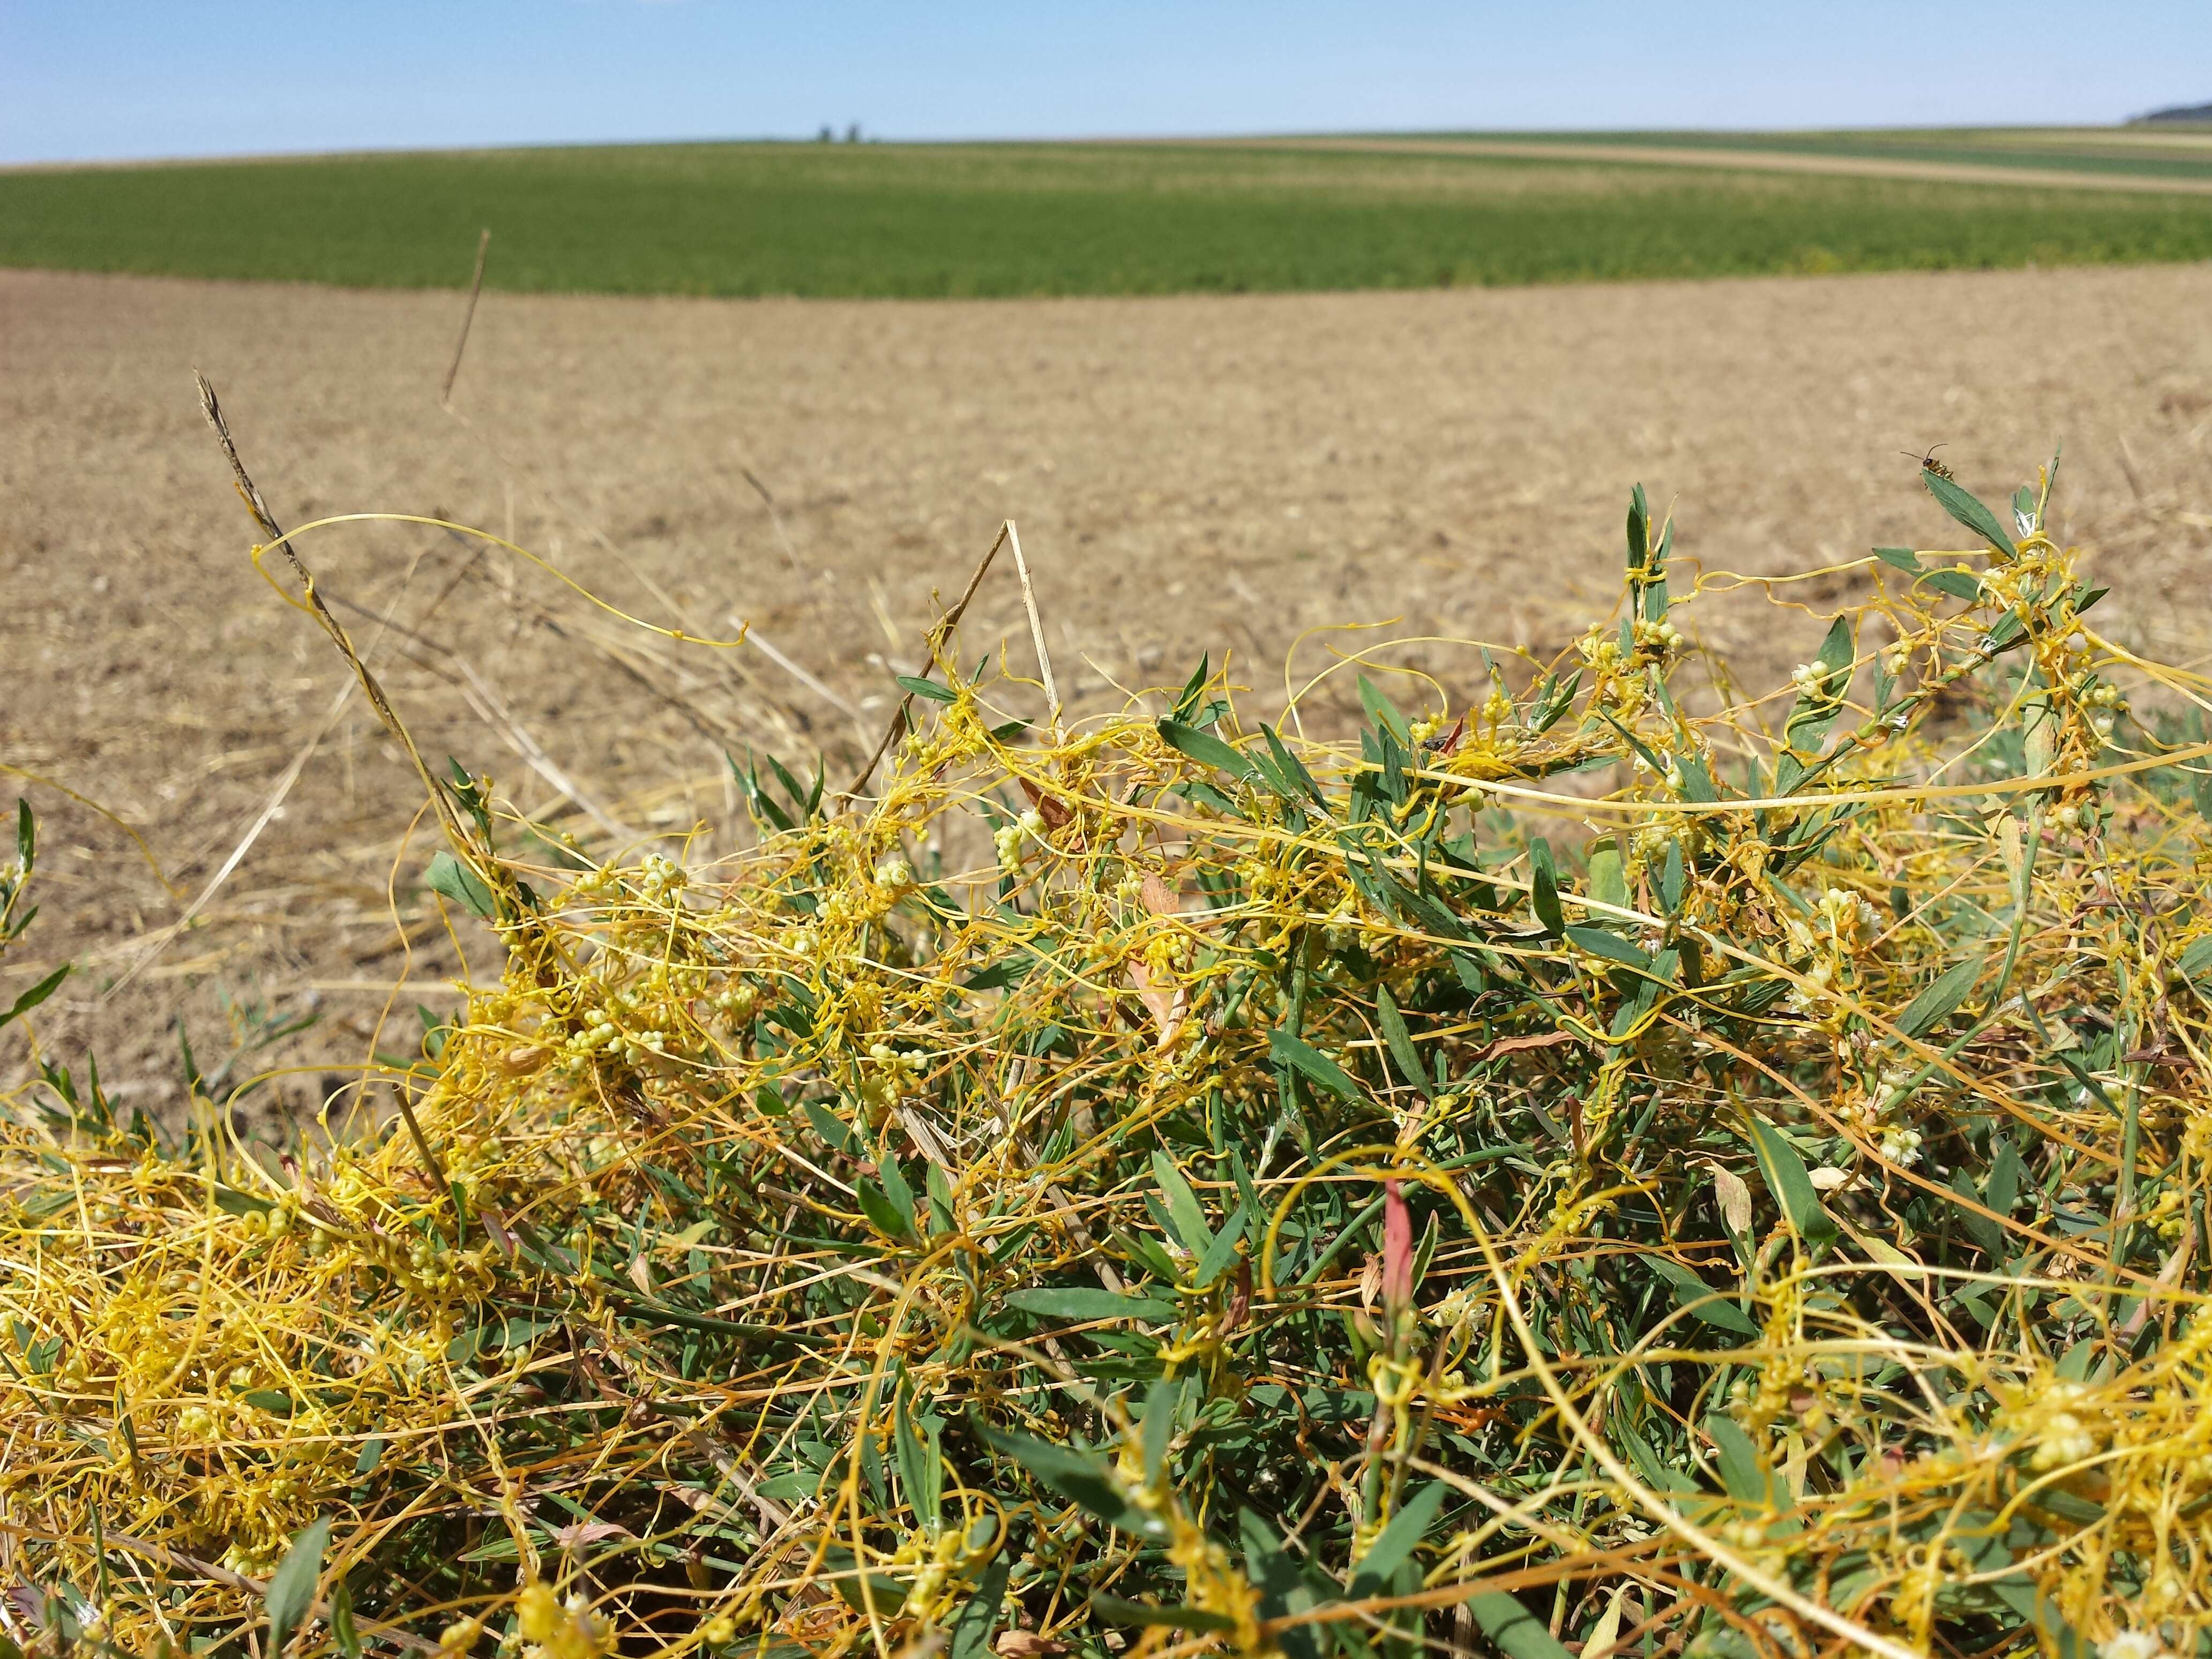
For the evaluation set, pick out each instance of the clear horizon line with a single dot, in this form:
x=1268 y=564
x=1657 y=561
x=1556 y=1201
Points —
x=348 y=152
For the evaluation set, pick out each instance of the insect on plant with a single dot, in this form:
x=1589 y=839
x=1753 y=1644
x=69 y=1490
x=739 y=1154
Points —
x=1930 y=463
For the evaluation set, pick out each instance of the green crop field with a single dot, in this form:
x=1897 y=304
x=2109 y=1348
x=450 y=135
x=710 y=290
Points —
x=945 y=220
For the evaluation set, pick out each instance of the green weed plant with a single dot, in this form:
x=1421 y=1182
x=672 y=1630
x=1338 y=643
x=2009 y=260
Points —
x=1598 y=1164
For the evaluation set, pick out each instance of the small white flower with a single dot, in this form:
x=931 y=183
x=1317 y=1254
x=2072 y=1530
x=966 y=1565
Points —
x=1901 y=1147
x=2131 y=1644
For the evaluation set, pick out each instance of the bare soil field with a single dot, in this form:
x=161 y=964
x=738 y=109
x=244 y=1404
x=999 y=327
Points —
x=1222 y=473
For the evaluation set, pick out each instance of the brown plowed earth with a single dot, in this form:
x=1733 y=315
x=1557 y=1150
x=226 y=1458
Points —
x=1188 y=473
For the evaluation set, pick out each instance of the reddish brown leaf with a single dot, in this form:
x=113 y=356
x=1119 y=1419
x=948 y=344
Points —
x=1397 y=1251
x=1050 y=808
x=1168 y=1006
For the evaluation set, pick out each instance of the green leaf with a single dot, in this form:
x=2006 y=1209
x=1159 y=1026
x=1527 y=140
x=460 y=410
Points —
x=1697 y=777
x=1903 y=558
x=1941 y=999
x=1309 y=1062
x=831 y=1128
x=1395 y=1544
x=1709 y=1304
x=896 y=1189
x=292 y=1587
x=1156 y=1426
x=1543 y=887
x=2197 y=964
x=27 y=835
x=1290 y=766
x=1079 y=1304
x=1284 y=1587
x=1384 y=713
x=978 y=1616
x=37 y=994
x=1193 y=688
x=929 y=689
x=1113 y=1610
x=1742 y=1473
x=920 y=1473
x=1183 y=1207
x=1222 y=1252
x=886 y=1217
x=1206 y=749
x=343 y=1631
x=448 y=876
x=1786 y=1178
x=1007 y=970
x=1519 y=1633
x=1958 y=584
x=1961 y=505
x=1602 y=942
x=1401 y=1041
x=1673 y=879
x=372 y=1454
x=1082 y=1478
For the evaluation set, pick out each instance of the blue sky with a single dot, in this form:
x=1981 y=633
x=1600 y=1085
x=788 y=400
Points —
x=92 y=79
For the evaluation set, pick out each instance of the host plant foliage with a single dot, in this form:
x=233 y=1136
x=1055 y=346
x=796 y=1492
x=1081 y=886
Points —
x=1602 y=1160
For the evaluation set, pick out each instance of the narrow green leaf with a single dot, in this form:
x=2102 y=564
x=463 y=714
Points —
x=1285 y=1587
x=1903 y=558
x=1395 y=1544
x=37 y=994
x=1290 y=766
x=1697 y=777
x=830 y=1127
x=1519 y=1633
x=1113 y=1610
x=1082 y=1478
x=1401 y=1041
x=343 y=1629
x=450 y=878
x=1221 y=1255
x=292 y=1587
x=1963 y=506
x=1087 y=1305
x=1837 y=650
x=27 y=835
x=1156 y=1426
x=979 y=1614
x=1309 y=1062
x=1741 y=1473
x=1609 y=879
x=372 y=1454
x=920 y=1473
x=1183 y=1207
x=1707 y=1303
x=886 y=1217
x=1543 y=887
x=1384 y=713
x=1206 y=749
x=1673 y=879
x=929 y=689
x=1941 y=999
x=1786 y=1178
x=1603 y=942
x=1958 y=584
x=1193 y=688
x=896 y=1189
